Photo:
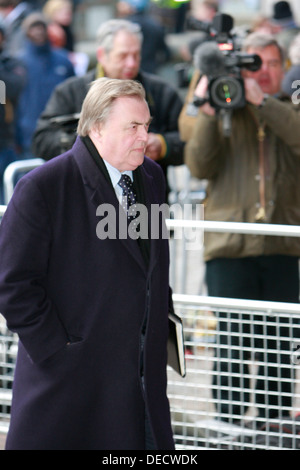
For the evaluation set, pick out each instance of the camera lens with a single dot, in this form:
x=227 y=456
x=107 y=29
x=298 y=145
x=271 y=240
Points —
x=227 y=92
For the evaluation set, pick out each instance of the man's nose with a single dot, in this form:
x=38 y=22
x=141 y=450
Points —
x=143 y=133
x=131 y=60
x=264 y=67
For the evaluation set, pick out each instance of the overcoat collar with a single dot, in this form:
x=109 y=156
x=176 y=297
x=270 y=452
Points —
x=97 y=181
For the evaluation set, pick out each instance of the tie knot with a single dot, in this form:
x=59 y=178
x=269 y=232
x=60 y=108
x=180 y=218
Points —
x=125 y=183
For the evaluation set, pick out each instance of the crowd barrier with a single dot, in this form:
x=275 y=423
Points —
x=249 y=357
x=14 y=171
x=8 y=353
x=195 y=399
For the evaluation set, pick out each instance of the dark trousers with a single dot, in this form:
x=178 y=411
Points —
x=271 y=278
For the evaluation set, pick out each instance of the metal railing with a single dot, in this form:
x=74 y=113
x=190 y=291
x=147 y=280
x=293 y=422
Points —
x=199 y=415
x=230 y=385
x=14 y=171
x=236 y=227
x=8 y=352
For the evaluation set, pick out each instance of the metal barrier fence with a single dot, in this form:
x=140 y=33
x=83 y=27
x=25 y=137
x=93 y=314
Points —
x=14 y=171
x=199 y=422
x=8 y=352
x=230 y=385
x=205 y=404
x=8 y=348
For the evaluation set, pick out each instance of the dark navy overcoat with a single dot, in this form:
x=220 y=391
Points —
x=60 y=283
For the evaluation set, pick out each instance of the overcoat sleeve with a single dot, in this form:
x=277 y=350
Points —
x=25 y=244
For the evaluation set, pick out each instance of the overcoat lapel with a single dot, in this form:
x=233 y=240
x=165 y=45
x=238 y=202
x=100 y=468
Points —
x=147 y=182
x=100 y=190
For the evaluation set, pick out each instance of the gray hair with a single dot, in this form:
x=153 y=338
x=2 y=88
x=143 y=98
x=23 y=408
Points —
x=100 y=99
x=109 y=29
x=258 y=40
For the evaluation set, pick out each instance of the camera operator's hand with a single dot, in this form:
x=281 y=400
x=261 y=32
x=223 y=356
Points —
x=201 y=92
x=154 y=147
x=253 y=92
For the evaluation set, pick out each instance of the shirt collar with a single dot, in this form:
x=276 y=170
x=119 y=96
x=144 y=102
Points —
x=115 y=174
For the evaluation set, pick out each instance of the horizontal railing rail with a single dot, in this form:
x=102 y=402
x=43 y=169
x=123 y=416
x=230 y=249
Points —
x=271 y=308
x=236 y=227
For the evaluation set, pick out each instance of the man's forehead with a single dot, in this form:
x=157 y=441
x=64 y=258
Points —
x=268 y=50
x=131 y=105
x=123 y=38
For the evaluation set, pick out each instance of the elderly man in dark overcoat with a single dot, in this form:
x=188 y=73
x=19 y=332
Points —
x=90 y=305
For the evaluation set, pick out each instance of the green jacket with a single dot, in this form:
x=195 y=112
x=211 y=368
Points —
x=232 y=167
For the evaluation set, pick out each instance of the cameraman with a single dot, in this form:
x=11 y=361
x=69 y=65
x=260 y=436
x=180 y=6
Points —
x=253 y=176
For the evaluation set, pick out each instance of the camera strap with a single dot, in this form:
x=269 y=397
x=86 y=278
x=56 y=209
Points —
x=261 y=213
x=261 y=135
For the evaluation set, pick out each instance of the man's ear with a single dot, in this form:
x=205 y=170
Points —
x=99 y=54
x=95 y=132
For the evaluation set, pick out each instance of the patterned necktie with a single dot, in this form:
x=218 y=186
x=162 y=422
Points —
x=129 y=197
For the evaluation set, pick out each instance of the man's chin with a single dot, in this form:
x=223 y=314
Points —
x=129 y=76
x=138 y=161
x=266 y=88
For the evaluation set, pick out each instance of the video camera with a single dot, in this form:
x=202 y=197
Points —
x=67 y=125
x=221 y=62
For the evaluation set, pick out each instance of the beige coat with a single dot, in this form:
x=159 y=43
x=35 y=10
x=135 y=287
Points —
x=232 y=167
